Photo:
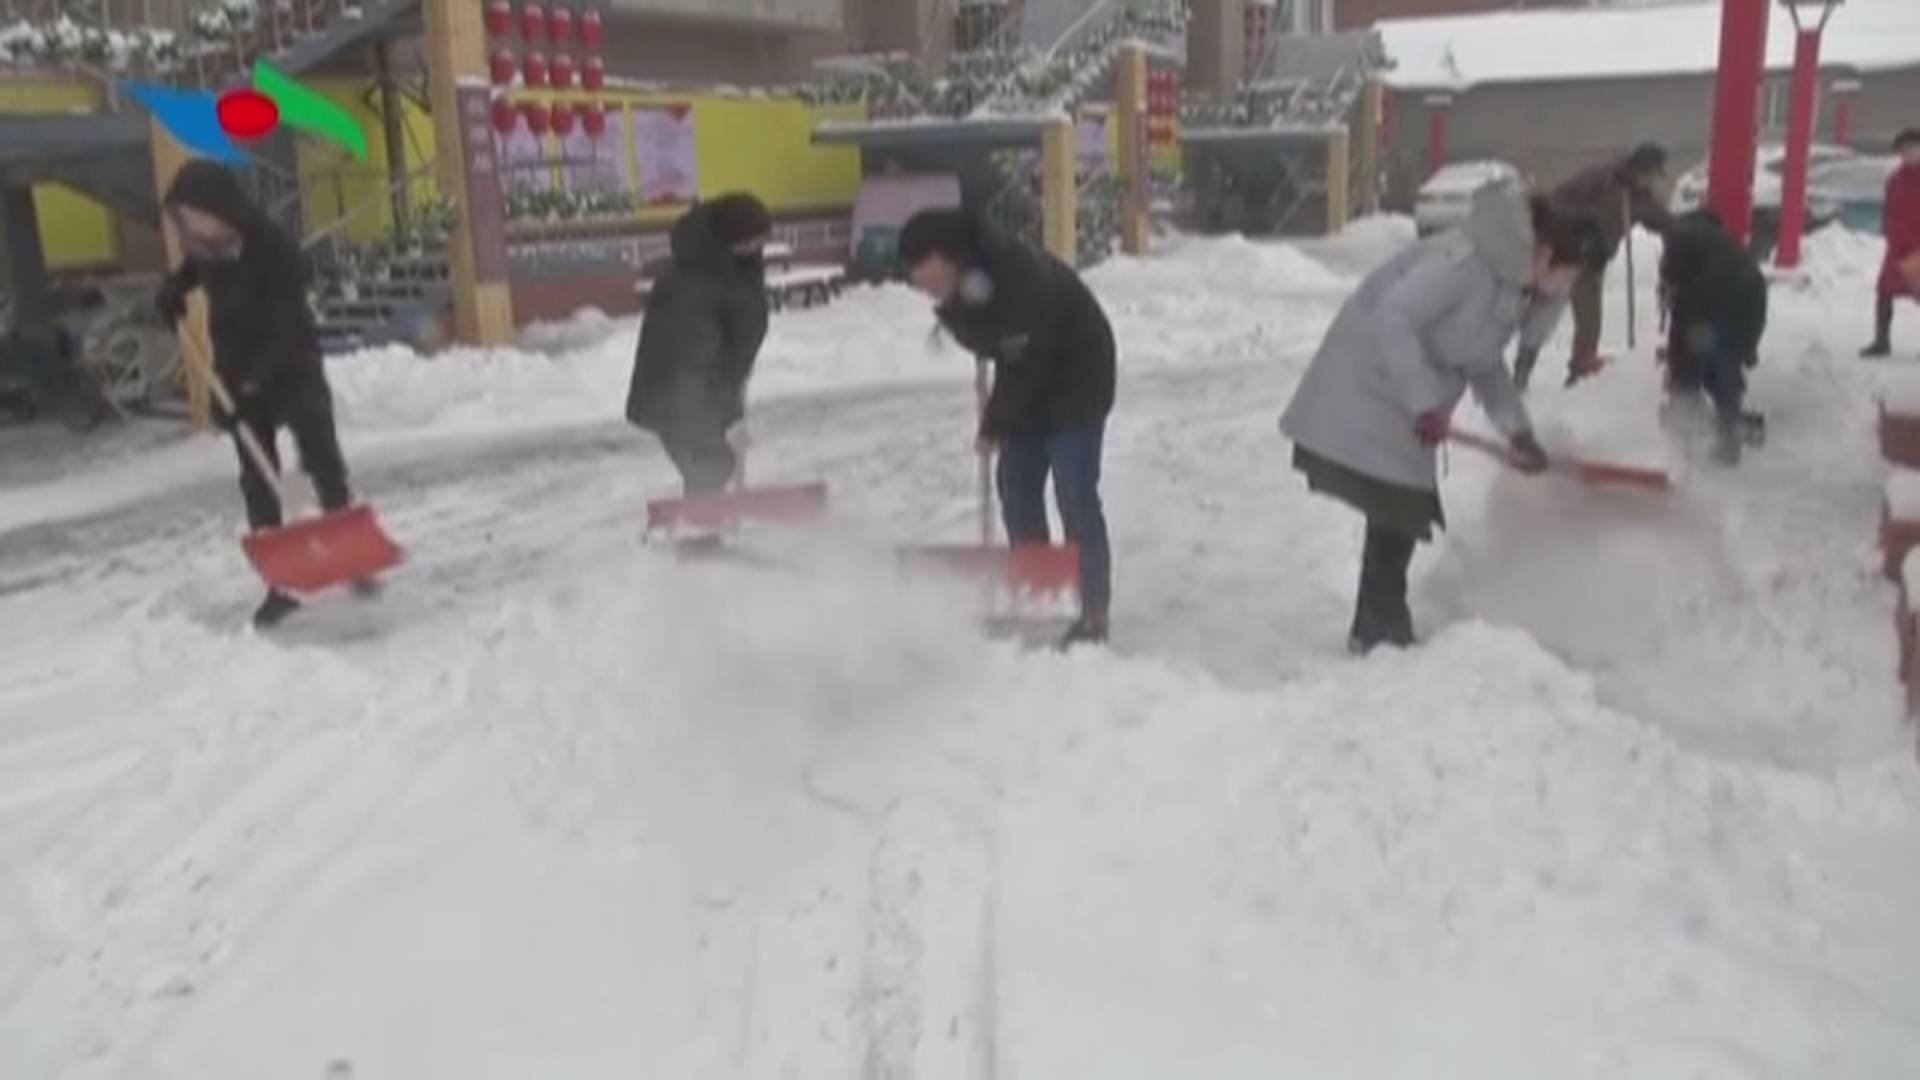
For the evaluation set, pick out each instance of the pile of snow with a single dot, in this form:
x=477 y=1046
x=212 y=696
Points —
x=1641 y=805
x=1462 y=51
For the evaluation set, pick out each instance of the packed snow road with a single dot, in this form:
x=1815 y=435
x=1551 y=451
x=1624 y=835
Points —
x=557 y=805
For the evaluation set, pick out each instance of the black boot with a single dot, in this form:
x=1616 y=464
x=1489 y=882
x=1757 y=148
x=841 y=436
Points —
x=1882 y=329
x=1088 y=629
x=1380 y=613
x=366 y=588
x=274 y=610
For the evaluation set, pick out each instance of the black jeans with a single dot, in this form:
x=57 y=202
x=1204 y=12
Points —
x=1380 y=613
x=306 y=411
x=1073 y=458
x=701 y=454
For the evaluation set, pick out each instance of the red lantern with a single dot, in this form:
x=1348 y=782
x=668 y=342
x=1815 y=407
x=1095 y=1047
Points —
x=559 y=24
x=593 y=73
x=505 y=116
x=560 y=71
x=562 y=121
x=590 y=28
x=534 y=69
x=593 y=120
x=533 y=19
x=537 y=117
x=499 y=17
x=501 y=67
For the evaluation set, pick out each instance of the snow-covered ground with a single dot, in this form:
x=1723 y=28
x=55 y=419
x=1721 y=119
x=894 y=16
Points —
x=558 y=806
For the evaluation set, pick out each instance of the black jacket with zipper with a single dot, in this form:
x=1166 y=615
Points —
x=1050 y=343
x=265 y=344
x=705 y=321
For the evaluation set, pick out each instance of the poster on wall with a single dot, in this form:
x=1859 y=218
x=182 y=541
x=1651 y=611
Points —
x=592 y=164
x=524 y=164
x=663 y=156
x=1091 y=137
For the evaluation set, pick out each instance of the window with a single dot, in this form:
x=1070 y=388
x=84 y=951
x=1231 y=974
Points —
x=1776 y=102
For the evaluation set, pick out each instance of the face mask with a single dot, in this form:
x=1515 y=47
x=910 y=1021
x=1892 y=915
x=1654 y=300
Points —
x=205 y=248
x=976 y=287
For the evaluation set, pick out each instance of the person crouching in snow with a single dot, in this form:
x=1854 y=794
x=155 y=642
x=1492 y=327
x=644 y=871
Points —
x=1054 y=370
x=1376 y=401
x=1717 y=303
x=266 y=349
x=1900 y=224
x=705 y=321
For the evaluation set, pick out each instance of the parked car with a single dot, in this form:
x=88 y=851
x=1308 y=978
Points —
x=1447 y=195
x=1857 y=186
x=1769 y=173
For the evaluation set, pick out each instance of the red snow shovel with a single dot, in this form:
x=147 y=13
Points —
x=786 y=504
x=1597 y=473
x=334 y=548
x=1023 y=569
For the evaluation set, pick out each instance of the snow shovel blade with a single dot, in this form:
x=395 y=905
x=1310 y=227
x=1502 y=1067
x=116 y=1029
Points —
x=787 y=504
x=1028 y=568
x=321 y=552
x=1597 y=473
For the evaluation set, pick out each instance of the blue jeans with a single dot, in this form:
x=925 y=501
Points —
x=1073 y=457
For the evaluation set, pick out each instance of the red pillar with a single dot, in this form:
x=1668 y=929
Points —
x=1736 y=104
x=1843 y=93
x=1437 y=106
x=1793 y=184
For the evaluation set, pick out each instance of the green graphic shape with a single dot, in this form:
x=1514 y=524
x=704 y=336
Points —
x=303 y=109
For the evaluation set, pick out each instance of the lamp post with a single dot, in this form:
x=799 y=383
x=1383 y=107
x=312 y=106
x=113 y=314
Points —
x=1806 y=71
x=1736 y=92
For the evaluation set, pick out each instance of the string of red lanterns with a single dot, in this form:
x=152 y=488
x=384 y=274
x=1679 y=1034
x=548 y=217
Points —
x=561 y=28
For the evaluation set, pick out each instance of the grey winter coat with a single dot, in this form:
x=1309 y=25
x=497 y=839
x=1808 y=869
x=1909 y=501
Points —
x=1422 y=328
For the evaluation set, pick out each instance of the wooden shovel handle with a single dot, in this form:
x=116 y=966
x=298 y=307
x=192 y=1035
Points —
x=981 y=389
x=200 y=356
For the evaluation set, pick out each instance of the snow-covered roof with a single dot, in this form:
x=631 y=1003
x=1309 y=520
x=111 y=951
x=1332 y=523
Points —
x=1461 y=51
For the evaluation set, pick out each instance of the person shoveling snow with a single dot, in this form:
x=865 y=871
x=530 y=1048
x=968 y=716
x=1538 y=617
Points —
x=1422 y=328
x=1718 y=312
x=266 y=357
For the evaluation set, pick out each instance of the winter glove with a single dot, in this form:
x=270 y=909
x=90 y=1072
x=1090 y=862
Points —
x=1432 y=427
x=171 y=301
x=1523 y=362
x=1525 y=453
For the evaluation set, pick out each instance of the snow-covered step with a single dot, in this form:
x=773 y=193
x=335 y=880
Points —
x=1899 y=520
x=1909 y=632
x=1900 y=422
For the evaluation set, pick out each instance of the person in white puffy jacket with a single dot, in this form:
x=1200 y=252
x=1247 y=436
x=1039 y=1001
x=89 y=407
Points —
x=1419 y=331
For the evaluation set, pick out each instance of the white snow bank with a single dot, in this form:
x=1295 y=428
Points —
x=507 y=845
x=1461 y=51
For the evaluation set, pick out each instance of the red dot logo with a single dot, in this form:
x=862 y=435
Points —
x=246 y=114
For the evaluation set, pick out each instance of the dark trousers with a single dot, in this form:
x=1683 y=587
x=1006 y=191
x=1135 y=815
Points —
x=1073 y=459
x=1380 y=613
x=308 y=414
x=1715 y=359
x=1883 y=319
x=701 y=454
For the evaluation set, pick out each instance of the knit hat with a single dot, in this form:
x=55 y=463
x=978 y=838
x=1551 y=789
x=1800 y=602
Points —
x=1909 y=137
x=1647 y=158
x=945 y=232
x=739 y=217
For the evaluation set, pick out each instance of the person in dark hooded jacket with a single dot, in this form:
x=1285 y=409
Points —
x=1054 y=371
x=706 y=319
x=1717 y=311
x=265 y=347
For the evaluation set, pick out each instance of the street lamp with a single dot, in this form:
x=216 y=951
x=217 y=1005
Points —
x=1806 y=72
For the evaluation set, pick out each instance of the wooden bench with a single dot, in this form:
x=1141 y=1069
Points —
x=805 y=286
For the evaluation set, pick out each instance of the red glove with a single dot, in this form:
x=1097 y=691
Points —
x=1432 y=427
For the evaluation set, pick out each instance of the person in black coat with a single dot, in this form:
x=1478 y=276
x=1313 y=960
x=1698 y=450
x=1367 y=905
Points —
x=706 y=319
x=1054 y=370
x=1716 y=297
x=265 y=347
